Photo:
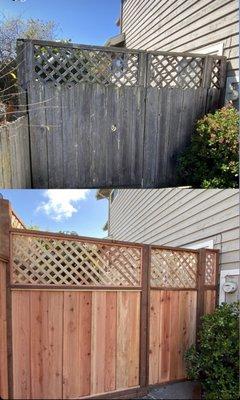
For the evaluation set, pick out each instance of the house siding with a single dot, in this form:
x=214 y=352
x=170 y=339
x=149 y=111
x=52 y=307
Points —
x=183 y=25
x=179 y=217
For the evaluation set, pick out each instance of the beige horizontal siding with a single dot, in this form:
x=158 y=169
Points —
x=179 y=217
x=183 y=25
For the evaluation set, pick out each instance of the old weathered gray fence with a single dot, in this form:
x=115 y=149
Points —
x=111 y=117
x=14 y=154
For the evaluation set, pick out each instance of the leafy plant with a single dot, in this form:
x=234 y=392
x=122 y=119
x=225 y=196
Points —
x=215 y=362
x=211 y=160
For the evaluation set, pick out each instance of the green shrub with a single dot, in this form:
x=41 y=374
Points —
x=211 y=160
x=215 y=362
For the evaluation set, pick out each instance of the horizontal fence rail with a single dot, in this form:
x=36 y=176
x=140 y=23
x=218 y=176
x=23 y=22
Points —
x=84 y=317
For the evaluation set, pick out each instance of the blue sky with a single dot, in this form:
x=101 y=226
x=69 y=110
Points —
x=82 y=21
x=60 y=210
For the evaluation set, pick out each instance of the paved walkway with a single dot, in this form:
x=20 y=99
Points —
x=176 y=391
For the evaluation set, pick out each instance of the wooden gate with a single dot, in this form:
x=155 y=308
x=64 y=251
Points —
x=82 y=317
x=112 y=117
x=183 y=286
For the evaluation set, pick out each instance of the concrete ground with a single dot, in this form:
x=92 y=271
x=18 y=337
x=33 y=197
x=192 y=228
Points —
x=176 y=391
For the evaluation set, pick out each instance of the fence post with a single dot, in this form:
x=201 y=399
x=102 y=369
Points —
x=223 y=75
x=5 y=304
x=207 y=72
x=144 y=322
x=25 y=77
x=143 y=66
x=24 y=71
x=200 y=286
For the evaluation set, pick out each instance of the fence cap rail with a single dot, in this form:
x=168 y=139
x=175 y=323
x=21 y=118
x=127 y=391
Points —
x=79 y=46
x=35 y=233
x=116 y=49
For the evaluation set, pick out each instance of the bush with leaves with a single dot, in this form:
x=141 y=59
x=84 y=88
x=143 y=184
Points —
x=211 y=160
x=215 y=362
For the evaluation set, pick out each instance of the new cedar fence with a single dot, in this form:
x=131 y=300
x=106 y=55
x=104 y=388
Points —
x=82 y=317
x=112 y=117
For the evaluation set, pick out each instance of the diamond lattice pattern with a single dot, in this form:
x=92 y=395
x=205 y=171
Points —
x=175 y=71
x=174 y=269
x=48 y=261
x=16 y=223
x=216 y=74
x=210 y=269
x=73 y=65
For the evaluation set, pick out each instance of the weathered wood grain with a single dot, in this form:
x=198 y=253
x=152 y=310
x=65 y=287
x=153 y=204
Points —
x=95 y=124
x=171 y=115
x=15 y=155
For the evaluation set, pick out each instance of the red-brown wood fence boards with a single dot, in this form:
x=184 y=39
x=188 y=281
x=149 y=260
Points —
x=182 y=289
x=92 y=317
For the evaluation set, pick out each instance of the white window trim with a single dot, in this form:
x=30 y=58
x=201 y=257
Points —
x=206 y=245
x=223 y=274
x=216 y=48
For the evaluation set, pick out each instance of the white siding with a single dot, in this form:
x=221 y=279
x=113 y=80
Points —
x=179 y=217
x=183 y=25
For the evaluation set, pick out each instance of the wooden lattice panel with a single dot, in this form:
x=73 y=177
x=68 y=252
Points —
x=74 y=65
x=173 y=269
x=216 y=74
x=210 y=269
x=175 y=71
x=50 y=261
x=15 y=222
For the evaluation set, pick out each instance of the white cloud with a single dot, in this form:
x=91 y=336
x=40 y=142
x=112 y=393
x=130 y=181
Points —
x=62 y=204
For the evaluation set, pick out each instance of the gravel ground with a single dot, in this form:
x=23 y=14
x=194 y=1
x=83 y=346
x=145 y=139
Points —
x=176 y=391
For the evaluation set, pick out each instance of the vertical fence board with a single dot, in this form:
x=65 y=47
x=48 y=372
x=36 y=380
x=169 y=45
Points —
x=21 y=338
x=209 y=301
x=3 y=333
x=54 y=136
x=164 y=345
x=128 y=322
x=37 y=106
x=77 y=344
x=111 y=342
x=98 y=342
x=154 y=340
x=46 y=313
